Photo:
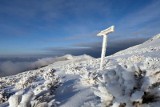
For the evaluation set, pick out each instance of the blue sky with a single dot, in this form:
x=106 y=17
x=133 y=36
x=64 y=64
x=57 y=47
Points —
x=57 y=27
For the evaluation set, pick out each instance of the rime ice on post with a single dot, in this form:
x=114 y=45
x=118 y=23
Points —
x=104 y=33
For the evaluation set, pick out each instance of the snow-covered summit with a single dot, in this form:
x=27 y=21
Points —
x=130 y=78
x=149 y=48
x=155 y=37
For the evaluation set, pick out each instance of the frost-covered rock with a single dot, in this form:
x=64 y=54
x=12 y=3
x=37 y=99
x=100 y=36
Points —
x=103 y=93
x=14 y=101
x=89 y=78
x=129 y=85
x=30 y=100
x=26 y=99
x=49 y=74
x=25 y=82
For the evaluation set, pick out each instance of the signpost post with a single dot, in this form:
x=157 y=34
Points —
x=104 y=33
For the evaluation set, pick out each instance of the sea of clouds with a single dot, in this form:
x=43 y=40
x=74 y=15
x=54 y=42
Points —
x=10 y=67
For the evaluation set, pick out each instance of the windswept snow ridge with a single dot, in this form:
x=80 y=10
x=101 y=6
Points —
x=130 y=78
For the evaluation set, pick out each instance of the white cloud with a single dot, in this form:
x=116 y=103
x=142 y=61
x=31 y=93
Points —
x=9 y=67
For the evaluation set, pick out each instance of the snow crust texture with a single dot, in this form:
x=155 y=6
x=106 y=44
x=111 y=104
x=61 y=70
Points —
x=31 y=90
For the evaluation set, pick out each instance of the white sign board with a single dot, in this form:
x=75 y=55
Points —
x=106 y=31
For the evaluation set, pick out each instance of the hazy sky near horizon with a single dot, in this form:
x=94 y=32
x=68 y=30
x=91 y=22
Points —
x=57 y=27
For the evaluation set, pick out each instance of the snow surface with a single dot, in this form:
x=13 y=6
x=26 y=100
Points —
x=130 y=78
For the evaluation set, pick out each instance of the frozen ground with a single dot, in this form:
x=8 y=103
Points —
x=130 y=78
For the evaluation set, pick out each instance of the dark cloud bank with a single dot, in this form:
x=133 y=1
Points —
x=94 y=48
x=10 y=66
